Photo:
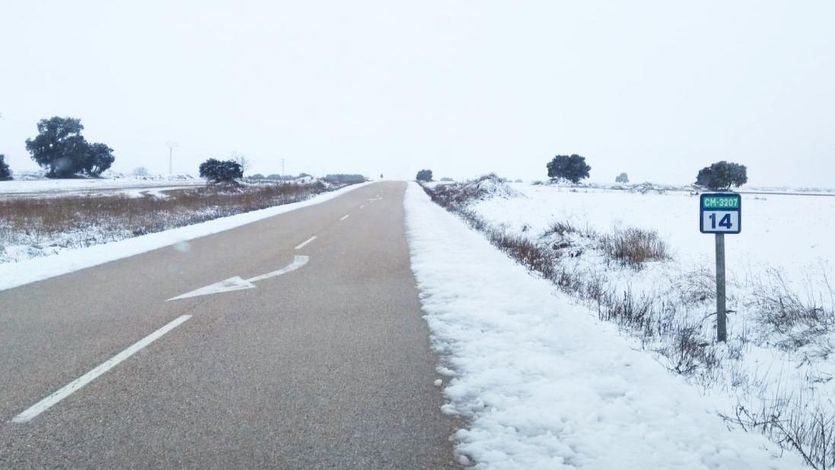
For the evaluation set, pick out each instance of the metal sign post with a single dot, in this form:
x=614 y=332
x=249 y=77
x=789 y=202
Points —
x=720 y=213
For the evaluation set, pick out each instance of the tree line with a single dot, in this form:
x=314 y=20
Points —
x=61 y=150
x=719 y=176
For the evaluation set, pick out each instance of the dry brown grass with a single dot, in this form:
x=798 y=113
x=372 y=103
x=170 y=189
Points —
x=40 y=226
x=634 y=246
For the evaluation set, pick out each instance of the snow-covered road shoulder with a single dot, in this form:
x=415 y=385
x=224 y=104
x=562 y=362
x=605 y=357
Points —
x=541 y=382
x=38 y=269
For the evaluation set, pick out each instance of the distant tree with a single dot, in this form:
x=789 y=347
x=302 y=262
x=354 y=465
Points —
x=720 y=176
x=140 y=171
x=5 y=172
x=424 y=175
x=221 y=171
x=345 y=178
x=570 y=167
x=257 y=176
x=60 y=148
x=622 y=178
x=447 y=179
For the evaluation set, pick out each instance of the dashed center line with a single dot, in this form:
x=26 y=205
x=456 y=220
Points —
x=301 y=245
x=343 y=217
x=80 y=382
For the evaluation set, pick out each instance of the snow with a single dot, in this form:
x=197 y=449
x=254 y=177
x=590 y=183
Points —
x=37 y=269
x=789 y=232
x=133 y=187
x=785 y=238
x=541 y=382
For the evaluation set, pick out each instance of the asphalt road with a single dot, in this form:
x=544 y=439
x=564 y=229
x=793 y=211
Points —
x=327 y=366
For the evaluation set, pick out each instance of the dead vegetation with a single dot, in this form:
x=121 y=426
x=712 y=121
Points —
x=796 y=320
x=793 y=424
x=634 y=246
x=46 y=224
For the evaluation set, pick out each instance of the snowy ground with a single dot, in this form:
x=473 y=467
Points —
x=789 y=232
x=541 y=382
x=777 y=364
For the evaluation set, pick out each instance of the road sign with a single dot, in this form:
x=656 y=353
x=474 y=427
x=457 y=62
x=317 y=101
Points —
x=720 y=213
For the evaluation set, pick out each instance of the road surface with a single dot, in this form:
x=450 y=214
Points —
x=326 y=364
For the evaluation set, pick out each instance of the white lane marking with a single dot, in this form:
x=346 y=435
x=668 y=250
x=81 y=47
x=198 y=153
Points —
x=80 y=382
x=226 y=285
x=301 y=245
x=343 y=217
x=362 y=206
x=297 y=263
x=237 y=283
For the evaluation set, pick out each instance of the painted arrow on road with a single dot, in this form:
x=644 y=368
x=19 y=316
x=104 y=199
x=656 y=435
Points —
x=238 y=283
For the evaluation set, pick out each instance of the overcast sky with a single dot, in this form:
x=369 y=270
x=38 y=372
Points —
x=657 y=89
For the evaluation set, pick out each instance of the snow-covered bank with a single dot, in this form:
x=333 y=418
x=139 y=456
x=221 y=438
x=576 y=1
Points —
x=37 y=269
x=543 y=383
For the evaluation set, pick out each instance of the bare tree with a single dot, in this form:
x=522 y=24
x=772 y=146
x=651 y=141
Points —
x=241 y=159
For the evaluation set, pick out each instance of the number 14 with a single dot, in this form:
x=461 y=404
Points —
x=725 y=221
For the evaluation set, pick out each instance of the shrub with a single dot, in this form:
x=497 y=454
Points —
x=60 y=148
x=561 y=228
x=689 y=351
x=570 y=167
x=793 y=423
x=218 y=171
x=5 y=172
x=622 y=178
x=424 y=175
x=720 y=176
x=634 y=246
x=796 y=319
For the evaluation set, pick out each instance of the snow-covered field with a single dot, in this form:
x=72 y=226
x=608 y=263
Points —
x=792 y=233
x=130 y=186
x=542 y=383
x=775 y=374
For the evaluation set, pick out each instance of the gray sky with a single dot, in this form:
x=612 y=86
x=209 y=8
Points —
x=657 y=89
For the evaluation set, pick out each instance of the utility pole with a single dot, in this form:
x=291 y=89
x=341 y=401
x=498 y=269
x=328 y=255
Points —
x=171 y=146
x=282 y=170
